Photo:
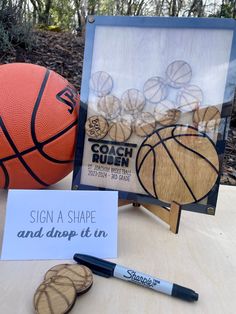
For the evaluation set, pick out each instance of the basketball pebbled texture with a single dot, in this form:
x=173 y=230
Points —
x=38 y=122
x=177 y=163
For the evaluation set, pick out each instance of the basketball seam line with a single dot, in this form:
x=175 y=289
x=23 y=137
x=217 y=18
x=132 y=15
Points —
x=48 y=141
x=153 y=174
x=161 y=88
x=104 y=83
x=212 y=117
x=205 y=113
x=173 y=74
x=140 y=166
x=198 y=154
x=33 y=119
x=61 y=294
x=10 y=141
x=171 y=157
x=183 y=75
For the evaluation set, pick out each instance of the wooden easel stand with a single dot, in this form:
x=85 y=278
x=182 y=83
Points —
x=171 y=215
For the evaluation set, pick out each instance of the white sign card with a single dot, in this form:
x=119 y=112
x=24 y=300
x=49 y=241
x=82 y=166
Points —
x=57 y=224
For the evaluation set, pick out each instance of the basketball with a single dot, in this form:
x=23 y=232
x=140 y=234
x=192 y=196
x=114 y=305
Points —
x=38 y=125
x=109 y=106
x=189 y=98
x=144 y=124
x=155 y=89
x=120 y=131
x=178 y=73
x=133 y=101
x=55 y=295
x=101 y=83
x=206 y=119
x=177 y=163
x=96 y=127
x=166 y=113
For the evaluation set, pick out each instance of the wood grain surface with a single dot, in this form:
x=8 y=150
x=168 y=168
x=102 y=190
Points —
x=177 y=163
x=55 y=295
x=202 y=257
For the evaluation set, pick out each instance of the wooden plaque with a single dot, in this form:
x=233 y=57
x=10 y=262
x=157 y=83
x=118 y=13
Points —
x=151 y=98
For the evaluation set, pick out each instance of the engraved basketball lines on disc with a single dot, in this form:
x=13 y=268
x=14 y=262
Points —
x=38 y=145
x=160 y=141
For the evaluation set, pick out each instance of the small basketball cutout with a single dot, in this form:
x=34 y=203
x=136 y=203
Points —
x=155 y=89
x=178 y=74
x=144 y=124
x=101 y=83
x=96 y=127
x=133 y=101
x=177 y=163
x=120 y=130
x=206 y=119
x=55 y=295
x=109 y=106
x=189 y=98
x=166 y=113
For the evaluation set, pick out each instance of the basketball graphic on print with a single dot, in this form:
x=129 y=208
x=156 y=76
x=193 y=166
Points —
x=177 y=163
x=38 y=122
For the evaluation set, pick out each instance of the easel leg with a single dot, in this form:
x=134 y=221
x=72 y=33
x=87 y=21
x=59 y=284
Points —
x=170 y=216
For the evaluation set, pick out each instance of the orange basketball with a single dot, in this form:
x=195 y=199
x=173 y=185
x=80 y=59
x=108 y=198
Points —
x=38 y=122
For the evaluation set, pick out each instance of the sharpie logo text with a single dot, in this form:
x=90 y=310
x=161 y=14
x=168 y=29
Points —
x=141 y=279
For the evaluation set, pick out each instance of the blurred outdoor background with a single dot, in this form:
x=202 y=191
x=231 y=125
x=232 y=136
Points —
x=52 y=32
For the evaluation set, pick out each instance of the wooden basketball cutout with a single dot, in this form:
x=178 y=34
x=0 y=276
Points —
x=55 y=295
x=166 y=113
x=109 y=106
x=81 y=276
x=120 y=131
x=133 y=101
x=54 y=270
x=178 y=74
x=96 y=127
x=189 y=98
x=177 y=163
x=101 y=83
x=155 y=89
x=206 y=119
x=144 y=124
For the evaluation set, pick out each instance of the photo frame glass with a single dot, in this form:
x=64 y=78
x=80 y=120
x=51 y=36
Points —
x=156 y=99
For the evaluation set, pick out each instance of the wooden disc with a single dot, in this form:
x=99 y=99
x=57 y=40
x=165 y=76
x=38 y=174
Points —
x=81 y=276
x=133 y=101
x=177 y=163
x=96 y=127
x=178 y=74
x=109 y=106
x=166 y=113
x=55 y=295
x=206 y=119
x=144 y=124
x=101 y=83
x=155 y=89
x=53 y=271
x=189 y=98
x=120 y=131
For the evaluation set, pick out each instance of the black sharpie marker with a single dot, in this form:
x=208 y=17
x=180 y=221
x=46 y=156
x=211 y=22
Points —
x=107 y=269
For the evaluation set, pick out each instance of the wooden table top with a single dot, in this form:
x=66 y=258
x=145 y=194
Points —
x=201 y=257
